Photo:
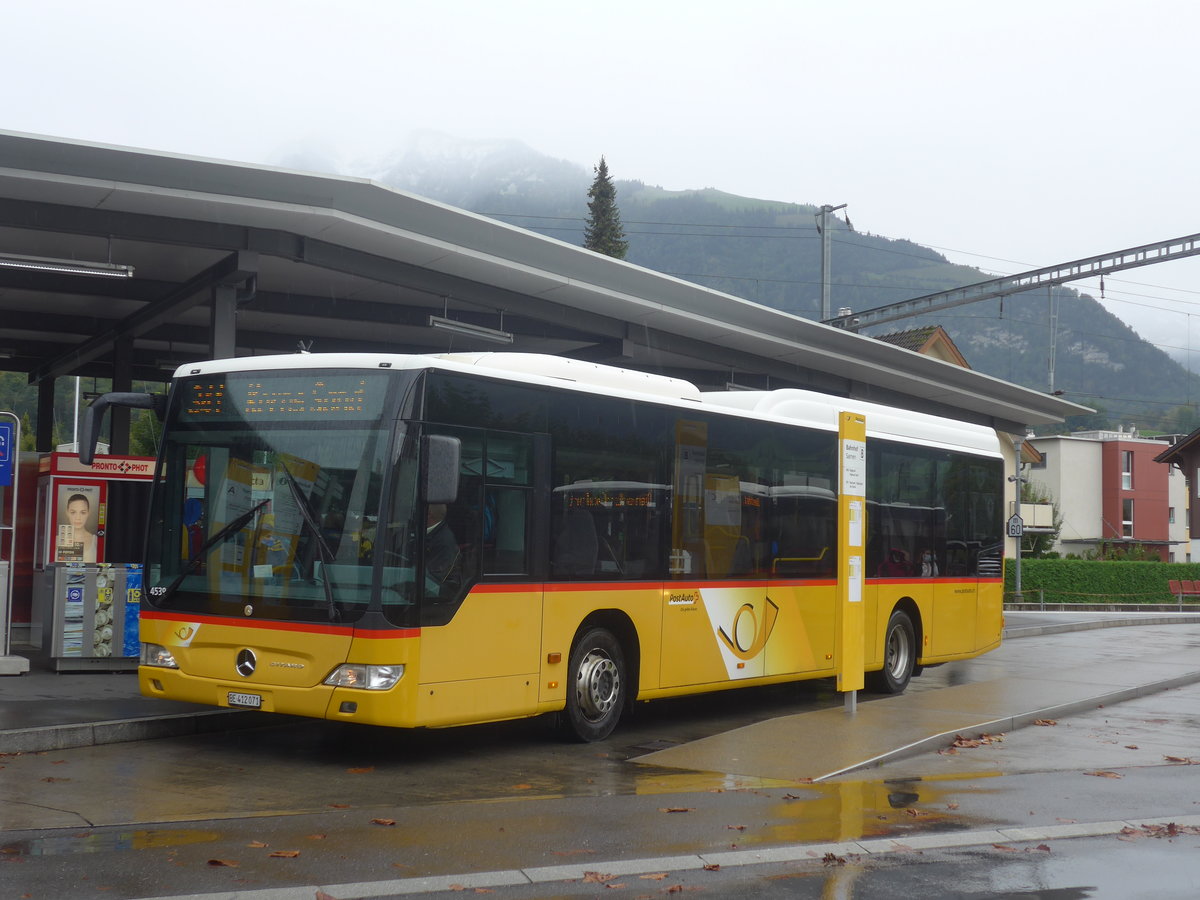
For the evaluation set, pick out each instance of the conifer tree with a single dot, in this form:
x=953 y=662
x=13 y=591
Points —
x=603 y=232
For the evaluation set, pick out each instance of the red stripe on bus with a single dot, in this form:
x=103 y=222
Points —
x=562 y=586
x=270 y=625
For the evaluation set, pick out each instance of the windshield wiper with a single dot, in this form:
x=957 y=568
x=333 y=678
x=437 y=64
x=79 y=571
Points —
x=217 y=536
x=310 y=522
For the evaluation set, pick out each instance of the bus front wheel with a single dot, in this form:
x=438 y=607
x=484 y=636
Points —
x=899 y=656
x=596 y=686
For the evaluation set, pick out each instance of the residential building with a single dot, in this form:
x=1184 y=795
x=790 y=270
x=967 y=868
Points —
x=1110 y=490
x=1182 y=458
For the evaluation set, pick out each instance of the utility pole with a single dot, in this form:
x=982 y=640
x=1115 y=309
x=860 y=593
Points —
x=1016 y=526
x=1053 y=329
x=822 y=218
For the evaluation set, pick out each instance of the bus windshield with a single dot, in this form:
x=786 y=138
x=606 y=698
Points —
x=268 y=496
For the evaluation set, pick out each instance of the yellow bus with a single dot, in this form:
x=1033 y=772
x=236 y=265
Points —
x=427 y=541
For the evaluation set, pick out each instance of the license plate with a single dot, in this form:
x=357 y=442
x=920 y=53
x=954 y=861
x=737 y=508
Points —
x=250 y=701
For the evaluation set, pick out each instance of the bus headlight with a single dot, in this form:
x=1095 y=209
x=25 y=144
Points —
x=368 y=678
x=157 y=655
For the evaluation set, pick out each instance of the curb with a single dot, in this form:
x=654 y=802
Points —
x=115 y=731
x=484 y=881
x=1020 y=631
x=1013 y=723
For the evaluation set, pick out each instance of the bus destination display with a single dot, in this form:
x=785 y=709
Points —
x=279 y=398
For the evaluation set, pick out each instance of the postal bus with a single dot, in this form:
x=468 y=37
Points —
x=427 y=541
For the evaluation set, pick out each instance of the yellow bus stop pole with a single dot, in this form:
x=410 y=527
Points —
x=852 y=512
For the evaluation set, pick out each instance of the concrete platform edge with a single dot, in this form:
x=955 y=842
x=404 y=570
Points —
x=482 y=881
x=91 y=734
x=1012 y=723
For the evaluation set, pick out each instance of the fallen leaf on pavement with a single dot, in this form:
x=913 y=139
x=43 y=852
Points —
x=383 y=821
x=258 y=845
x=284 y=854
x=1045 y=721
x=1170 y=830
x=657 y=876
x=712 y=867
x=675 y=809
x=970 y=743
x=1103 y=774
x=597 y=877
x=361 y=770
x=229 y=863
x=1186 y=760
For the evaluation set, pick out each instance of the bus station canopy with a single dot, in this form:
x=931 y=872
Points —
x=179 y=259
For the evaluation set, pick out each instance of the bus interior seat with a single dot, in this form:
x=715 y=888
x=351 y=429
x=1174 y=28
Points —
x=577 y=549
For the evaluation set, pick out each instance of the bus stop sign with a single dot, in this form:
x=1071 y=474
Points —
x=7 y=453
x=1016 y=526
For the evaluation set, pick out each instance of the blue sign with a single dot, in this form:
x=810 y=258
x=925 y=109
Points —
x=8 y=453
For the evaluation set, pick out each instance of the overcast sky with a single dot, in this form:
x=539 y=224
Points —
x=1009 y=135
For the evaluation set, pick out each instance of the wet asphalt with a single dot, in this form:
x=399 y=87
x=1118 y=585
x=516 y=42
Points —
x=500 y=805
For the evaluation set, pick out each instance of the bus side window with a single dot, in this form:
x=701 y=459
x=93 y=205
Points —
x=506 y=526
x=577 y=545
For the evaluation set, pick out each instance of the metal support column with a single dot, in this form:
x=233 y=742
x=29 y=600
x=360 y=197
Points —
x=122 y=381
x=44 y=437
x=224 y=322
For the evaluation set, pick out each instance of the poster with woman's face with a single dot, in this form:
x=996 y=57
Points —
x=79 y=511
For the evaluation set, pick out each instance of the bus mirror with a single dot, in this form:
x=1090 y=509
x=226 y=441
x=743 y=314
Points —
x=93 y=417
x=441 y=463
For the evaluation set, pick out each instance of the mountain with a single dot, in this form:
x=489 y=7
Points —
x=769 y=252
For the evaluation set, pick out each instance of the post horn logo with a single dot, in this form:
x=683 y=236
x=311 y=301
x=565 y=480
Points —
x=749 y=635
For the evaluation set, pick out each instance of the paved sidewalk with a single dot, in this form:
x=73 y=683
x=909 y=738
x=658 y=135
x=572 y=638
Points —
x=46 y=710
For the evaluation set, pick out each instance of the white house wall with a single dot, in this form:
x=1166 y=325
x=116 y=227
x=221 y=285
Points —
x=1073 y=476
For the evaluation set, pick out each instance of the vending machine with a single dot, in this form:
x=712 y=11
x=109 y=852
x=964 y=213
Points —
x=91 y=521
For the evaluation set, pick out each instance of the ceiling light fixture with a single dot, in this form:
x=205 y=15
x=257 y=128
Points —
x=64 y=266
x=468 y=330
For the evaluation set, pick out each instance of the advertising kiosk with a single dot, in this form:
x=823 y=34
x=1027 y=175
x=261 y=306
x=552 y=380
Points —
x=90 y=524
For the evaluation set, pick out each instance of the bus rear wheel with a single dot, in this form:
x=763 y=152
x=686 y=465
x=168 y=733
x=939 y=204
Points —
x=595 y=687
x=899 y=656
